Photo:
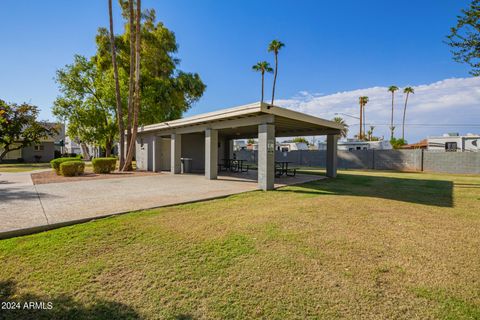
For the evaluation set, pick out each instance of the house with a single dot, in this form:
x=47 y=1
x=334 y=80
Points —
x=43 y=151
x=207 y=139
x=354 y=144
x=454 y=142
x=422 y=144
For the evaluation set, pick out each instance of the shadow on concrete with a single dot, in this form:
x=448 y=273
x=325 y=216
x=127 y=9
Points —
x=20 y=194
x=62 y=307
x=421 y=191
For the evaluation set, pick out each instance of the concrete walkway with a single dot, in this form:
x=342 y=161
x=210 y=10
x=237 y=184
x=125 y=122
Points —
x=25 y=208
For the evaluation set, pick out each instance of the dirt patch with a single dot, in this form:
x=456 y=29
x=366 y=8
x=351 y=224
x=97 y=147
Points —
x=52 y=177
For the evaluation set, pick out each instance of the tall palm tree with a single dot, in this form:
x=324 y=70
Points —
x=262 y=66
x=407 y=91
x=341 y=121
x=274 y=47
x=136 y=108
x=392 y=89
x=131 y=83
x=363 y=100
x=121 y=129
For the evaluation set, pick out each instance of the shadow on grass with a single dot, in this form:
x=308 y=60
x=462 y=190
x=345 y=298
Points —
x=62 y=307
x=421 y=191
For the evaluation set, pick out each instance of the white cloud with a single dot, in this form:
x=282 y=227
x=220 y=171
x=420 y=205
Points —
x=446 y=106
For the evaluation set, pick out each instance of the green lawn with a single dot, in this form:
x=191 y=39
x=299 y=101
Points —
x=22 y=167
x=367 y=245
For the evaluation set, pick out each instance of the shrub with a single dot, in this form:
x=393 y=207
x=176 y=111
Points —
x=104 y=165
x=72 y=168
x=55 y=163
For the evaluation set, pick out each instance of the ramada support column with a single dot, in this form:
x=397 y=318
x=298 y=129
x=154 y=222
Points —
x=175 y=153
x=266 y=156
x=332 y=140
x=211 y=154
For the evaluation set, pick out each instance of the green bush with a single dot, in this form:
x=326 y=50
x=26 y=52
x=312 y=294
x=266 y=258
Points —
x=55 y=163
x=104 y=165
x=72 y=168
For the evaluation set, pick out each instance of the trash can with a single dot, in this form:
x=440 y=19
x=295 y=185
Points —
x=186 y=165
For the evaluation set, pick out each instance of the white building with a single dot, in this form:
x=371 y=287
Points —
x=354 y=144
x=454 y=142
x=291 y=146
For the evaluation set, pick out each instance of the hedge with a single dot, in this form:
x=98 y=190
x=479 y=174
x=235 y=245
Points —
x=104 y=165
x=55 y=163
x=72 y=168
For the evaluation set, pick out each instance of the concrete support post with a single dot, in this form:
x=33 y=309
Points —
x=266 y=156
x=175 y=153
x=211 y=154
x=157 y=154
x=230 y=148
x=332 y=140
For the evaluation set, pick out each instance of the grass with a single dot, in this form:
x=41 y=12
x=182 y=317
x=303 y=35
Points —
x=370 y=245
x=22 y=167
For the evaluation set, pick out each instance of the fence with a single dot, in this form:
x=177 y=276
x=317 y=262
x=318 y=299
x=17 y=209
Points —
x=402 y=160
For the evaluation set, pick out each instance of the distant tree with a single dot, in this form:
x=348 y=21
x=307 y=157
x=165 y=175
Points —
x=341 y=121
x=275 y=47
x=397 y=143
x=464 y=38
x=20 y=128
x=250 y=141
x=262 y=67
x=370 y=133
x=407 y=91
x=86 y=103
x=392 y=89
x=300 y=140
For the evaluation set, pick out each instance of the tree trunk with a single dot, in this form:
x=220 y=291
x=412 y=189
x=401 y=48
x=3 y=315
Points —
x=275 y=77
x=121 y=130
x=85 y=153
x=4 y=153
x=364 y=122
x=108 y=148
x=404 y=113
x=136 y=109
x=128 y=167
x=263 y=81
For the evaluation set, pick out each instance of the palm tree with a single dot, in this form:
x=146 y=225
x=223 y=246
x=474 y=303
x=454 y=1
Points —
x=362 y=101
x=131 y=83
x=407 y=91
x=121 y=129
x=370 y=133
x=136 y=107
x=341 y=121
x=392 y=89
x=274 y=47
x=262 y=66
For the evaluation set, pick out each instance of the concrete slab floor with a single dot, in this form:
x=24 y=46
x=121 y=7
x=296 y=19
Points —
x=25 y=208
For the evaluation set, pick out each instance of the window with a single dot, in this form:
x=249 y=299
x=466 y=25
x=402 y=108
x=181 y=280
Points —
x=38 y=147
x=359 y=148
x=450 y=146
x=350 y=149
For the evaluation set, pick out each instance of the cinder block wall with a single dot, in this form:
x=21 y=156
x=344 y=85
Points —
x=452 y=162
x=402 y=160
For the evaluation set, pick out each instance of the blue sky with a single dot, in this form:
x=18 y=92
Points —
x=331 y=46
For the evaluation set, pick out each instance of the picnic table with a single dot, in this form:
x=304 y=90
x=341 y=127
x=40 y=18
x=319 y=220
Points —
x=234 y=165
x=281 y=168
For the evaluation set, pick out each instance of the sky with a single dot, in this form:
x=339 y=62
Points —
x=335 y=51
